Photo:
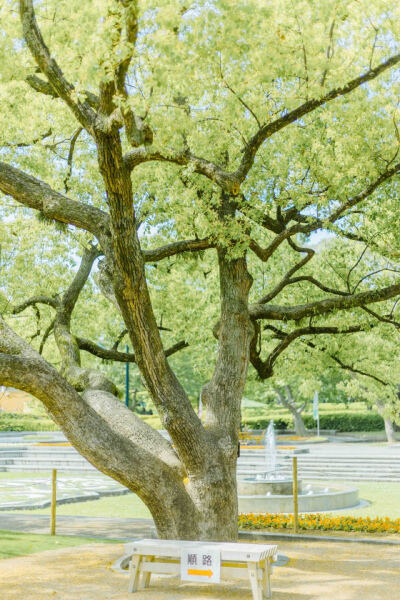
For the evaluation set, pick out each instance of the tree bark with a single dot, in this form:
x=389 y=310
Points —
x=289 y=402
x=215 y=488
x=108 y=434
x=389 y=427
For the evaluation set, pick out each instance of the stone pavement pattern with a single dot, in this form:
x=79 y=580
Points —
x=315 y=571
x=36 y=493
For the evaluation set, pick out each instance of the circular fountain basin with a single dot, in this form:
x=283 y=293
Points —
x=314 y=498
x=265 y=487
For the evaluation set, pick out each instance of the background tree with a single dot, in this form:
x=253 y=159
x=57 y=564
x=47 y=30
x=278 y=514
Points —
x=160 y=130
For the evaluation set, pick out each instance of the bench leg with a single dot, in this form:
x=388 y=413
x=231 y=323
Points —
x=134 y=570
x=146 y=576
x=255 y=576
x=266 y=580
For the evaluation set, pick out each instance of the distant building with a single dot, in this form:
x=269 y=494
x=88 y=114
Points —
x=15 y=401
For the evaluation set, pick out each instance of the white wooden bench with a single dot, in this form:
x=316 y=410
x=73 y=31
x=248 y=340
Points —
x=236 y=561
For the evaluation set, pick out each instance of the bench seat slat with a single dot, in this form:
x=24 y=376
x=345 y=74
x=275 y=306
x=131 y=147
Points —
x=229 y=551
x=176 y=561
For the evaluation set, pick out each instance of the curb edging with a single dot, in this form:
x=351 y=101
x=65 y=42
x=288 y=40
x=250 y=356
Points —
x=261 y=536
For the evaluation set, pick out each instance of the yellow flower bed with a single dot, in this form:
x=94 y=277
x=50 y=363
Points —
x=293 y=437
x=319 y=521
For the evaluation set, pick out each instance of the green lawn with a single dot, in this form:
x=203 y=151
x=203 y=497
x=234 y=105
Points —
x=129 y=506
x=19 y=544
x=384 y=499
x=25 y=474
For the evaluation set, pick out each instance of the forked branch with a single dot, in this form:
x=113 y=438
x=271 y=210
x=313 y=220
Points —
x=49 y=67
x=290 y=117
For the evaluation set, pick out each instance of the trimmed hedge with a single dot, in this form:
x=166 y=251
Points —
x=26 y=422
x=263 y=422
x=339 y=421
x=347 y=422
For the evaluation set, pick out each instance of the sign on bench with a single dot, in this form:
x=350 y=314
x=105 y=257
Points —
x=201 y=564
x=202 y=561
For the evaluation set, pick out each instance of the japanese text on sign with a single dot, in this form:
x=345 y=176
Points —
x=201 y=564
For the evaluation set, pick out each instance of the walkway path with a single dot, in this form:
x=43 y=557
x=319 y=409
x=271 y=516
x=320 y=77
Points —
x=120 y=529
x=315 y=571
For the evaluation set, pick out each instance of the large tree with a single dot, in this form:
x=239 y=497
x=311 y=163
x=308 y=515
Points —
x=205 y=129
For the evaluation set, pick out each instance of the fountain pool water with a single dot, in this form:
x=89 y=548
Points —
x=268 y=490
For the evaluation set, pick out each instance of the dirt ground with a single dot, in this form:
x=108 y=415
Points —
x=316 y=570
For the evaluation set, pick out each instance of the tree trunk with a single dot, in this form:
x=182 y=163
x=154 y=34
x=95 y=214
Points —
x=289 y=402
x=389 y=428
x=298 y=422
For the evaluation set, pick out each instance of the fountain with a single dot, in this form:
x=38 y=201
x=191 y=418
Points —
x=265 y=489
x=267 y=481
x=270 y=447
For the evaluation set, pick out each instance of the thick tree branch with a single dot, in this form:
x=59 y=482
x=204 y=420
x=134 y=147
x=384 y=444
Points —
x=70 y=297
x=70 y=158
x=43 y=87
x=119 y=339
x=320 y=307
x=290 y=117
x=286 y=280
x=130 y=26
x=53 y=302
x=264 y=368
x=49 y=67
x=107 y=433
x=36 y=194
x=81 y=379
x=177 y=248
x=113 y=354
x=338 y=213
x=265 y=254
x=318 y=284
x=260 y=217
x=227 y=181
x=46 y=335
x=308 y=224
x=116 y=114
x=132 y=294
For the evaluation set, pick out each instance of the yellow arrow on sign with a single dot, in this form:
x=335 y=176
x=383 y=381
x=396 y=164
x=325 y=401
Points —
x=207 y=573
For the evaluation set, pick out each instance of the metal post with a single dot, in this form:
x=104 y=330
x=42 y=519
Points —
x=127 y=380
x=295 y=497
x=53 y=502
x=318 y=425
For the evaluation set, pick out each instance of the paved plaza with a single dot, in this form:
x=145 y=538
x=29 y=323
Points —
x=35 y=493
x=77 y=480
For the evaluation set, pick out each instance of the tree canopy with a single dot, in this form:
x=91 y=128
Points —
x=192 y=153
